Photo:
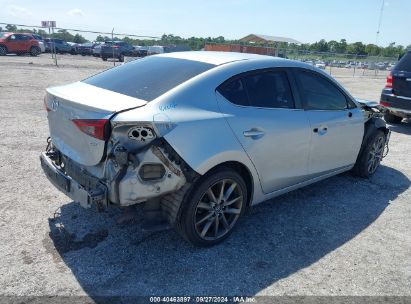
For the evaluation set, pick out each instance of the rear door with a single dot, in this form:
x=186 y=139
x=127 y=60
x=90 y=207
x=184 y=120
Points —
x=401 y=75
x=15 y=43
x=336 y=124
x=25 y=43
x=274 y=132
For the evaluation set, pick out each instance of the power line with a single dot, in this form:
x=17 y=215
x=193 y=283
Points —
x=83 y=31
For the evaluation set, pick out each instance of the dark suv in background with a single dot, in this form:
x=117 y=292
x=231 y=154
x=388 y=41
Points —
x=116 y=49
x=396 y=96
x=60 y=45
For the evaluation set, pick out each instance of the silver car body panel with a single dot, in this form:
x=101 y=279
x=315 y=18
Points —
x=204 y=139
x=206 y=130
x=80 y=100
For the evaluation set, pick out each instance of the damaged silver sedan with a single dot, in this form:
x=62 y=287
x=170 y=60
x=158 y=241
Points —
x=201 y=136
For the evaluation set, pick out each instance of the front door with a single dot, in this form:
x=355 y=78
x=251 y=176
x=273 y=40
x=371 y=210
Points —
x=336 y=124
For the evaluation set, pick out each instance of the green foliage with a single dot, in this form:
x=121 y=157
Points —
x=11 y=28
x=337 y=48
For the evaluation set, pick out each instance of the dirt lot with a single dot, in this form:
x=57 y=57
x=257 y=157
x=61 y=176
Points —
x=344 y=236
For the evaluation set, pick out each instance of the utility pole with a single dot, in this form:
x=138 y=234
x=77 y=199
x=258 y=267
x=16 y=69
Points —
x=112 y=45
x=379 y=22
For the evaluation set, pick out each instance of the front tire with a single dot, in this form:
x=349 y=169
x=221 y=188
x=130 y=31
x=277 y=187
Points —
x=104 y=58
x=212 y=207
x=370 y=157
x=35 y=51
x=3 y=50
x=391 y=118
x=121 y=58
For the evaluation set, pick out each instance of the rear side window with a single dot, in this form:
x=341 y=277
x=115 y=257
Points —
x=269 y=90
x=319 y=93
x=266 y=89
x=405 y=63
x=235 y=92
x=149 y=77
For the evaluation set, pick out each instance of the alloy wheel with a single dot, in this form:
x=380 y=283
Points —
x=375 y=154
x=218 y=209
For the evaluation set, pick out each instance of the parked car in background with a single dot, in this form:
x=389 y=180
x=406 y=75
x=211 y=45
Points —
x=141 y=51
x=396 y=96
x=116 y=50
x=155 y=49
x=74 y=48
x=97 y=50
x=201 y=136
x=18 y=43
x=86 y=49
x=320 y=65
x=60 y=46
x=41 y=42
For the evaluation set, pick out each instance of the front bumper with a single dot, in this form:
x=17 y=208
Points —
x=71 y=188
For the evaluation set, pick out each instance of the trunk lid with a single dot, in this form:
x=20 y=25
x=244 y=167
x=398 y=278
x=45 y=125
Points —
x=82 y=101
x=401 y=76
x=401 y=83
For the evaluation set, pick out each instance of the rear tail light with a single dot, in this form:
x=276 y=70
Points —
x=115 y=47
x=389 y=81
x=97 y=128
x=385 y=104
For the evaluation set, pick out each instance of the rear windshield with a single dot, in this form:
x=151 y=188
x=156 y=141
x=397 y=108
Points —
x=2 y=35
x=149 y=77
x=405 y=63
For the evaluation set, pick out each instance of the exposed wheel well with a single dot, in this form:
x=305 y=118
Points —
x=245 y=174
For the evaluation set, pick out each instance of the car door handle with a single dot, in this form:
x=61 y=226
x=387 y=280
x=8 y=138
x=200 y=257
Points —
x=254 y=133
x=320 y=130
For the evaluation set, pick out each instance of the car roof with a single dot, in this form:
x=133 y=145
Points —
x=216 y=58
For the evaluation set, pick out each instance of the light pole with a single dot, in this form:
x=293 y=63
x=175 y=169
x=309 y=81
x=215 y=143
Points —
x=379 y=22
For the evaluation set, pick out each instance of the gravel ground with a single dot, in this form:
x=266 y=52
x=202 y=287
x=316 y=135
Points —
x=344 y=236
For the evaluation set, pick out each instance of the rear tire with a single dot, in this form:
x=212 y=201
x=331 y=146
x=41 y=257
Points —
x=3 y=50
x=370 y=157
x=35 y=51
x=391 y=118
x=104 y=58
x=121 y=58
x=212 y=208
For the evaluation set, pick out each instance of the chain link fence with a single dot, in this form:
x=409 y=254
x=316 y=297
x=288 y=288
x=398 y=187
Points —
x=350 y=65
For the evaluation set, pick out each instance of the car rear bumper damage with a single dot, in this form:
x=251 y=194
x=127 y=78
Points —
x=399 y=105
x=86 y=196
x=126 y=178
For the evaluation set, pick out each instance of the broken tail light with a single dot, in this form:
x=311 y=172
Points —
x=97 y=128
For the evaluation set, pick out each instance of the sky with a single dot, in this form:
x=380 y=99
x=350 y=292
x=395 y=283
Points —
x=304 y=20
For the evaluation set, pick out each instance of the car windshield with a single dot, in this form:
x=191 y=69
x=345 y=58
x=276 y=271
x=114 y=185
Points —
x=149 y=77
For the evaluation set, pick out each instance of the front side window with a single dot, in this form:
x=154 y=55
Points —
x=319 y=93
x=266 y=89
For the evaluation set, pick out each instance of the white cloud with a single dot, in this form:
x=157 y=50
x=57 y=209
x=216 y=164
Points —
x=18 y=11
x=76 y=12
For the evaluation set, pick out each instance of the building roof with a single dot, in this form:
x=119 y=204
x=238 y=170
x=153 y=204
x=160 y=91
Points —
x=267 y=39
